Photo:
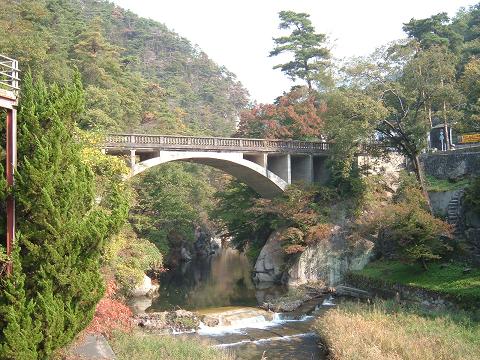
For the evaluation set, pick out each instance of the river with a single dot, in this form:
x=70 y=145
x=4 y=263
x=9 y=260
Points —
x=222 y=286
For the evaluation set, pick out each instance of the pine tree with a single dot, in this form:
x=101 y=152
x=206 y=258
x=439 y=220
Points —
x=310 y=57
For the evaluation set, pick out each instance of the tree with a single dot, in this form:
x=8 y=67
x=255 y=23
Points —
x=171 y=201
x=431 y=76
x=384 y=78
x=247 y=230
x=295 y=115
x=469 y=83
x=310 y=57
x=350 y=122
x=63 y=226
x=434 y=31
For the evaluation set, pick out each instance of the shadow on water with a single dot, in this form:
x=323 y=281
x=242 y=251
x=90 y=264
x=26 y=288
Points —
x=221 y=280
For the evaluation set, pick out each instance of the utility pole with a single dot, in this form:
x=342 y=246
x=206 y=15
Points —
x=9 y=91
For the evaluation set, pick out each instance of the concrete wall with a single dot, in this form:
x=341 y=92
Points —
x=260 y=159
x=440 y=200
x=280 y=165
x=452 y=165
x=321 y=173
x=302 y=168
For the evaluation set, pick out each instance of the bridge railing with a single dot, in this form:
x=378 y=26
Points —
x=9 y=77
x=199 y=142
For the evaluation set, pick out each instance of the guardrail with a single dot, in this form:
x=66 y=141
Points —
x=212 y=143
x=9 y=78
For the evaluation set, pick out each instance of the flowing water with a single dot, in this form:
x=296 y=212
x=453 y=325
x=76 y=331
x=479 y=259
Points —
x=221 y=287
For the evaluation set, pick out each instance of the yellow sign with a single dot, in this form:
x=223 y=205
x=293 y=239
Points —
x=470 y=138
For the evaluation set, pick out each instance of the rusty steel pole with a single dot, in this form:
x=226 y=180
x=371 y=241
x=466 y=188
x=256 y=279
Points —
x=11 y=160
x=9 y=91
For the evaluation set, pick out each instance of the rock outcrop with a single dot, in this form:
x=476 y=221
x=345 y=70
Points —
x=270 y=263
x=328 y=260
x=324 y=262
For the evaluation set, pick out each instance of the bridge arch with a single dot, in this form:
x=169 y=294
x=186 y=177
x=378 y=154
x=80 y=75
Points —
x=259 y=178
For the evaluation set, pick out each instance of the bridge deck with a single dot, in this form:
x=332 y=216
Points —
x=198 y=143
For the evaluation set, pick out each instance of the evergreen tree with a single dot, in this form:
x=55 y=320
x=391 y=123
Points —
x=311 y=57
x=20 y=334
x=63 y=227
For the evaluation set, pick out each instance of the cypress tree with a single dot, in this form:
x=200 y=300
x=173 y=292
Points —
x=20 y=334
x=63 y=227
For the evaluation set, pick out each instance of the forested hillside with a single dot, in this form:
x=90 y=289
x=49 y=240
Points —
x=138 y=75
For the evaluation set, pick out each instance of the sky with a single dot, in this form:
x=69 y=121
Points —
x=238 y=34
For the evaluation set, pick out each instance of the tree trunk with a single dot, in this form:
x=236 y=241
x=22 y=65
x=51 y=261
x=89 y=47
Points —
x=417 y=167
x=445 y=127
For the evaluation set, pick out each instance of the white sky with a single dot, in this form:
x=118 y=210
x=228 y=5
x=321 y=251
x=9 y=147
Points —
x=238 y=34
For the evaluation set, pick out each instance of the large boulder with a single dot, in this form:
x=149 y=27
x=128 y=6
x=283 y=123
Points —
x=270 y=263
x=328 y=260
x=146 y=288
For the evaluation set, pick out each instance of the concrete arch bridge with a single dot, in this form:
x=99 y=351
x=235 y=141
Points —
x=267 y=166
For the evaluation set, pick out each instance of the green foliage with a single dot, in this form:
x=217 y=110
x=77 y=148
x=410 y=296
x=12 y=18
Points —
x=20 y=331
x=130 y=257
x=63 y=228
x=248 y=230
x=310 y=57
x=472 y=196
x=439 y=185
x=249 y=220
x=138 y=75
x=410 y=230
x=171 y=201
x=448 y=279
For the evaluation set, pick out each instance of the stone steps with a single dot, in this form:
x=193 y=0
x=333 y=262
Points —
x=453 y=212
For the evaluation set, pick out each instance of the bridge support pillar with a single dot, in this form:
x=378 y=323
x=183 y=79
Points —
x=321 y=173
x=302 y=168
x=281 y=165
x=132 y=161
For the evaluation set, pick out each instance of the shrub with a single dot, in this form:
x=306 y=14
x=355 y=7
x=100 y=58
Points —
x=110 y=313
x=130 y=257
x=411 y=232
x=472 y=196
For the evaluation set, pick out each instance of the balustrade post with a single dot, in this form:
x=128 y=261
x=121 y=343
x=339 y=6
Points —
x=132 y=139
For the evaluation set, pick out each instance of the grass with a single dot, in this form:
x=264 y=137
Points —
x=448 y=279
x=439 y=185
x=382 y=331
x=138 y=345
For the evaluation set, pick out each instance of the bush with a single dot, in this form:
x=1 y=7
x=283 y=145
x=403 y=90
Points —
x=472 y=196
x=130 y=257
x=409 y=230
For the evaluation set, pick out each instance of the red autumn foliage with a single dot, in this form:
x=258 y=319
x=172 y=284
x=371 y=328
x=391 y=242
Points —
x=295 y=115
x=294 y=249
x=110 y=314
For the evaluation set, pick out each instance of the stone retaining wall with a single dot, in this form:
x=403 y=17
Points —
x=452 y=165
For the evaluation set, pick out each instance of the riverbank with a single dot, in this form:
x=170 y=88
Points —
x=451 y=282
x=388 y=330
